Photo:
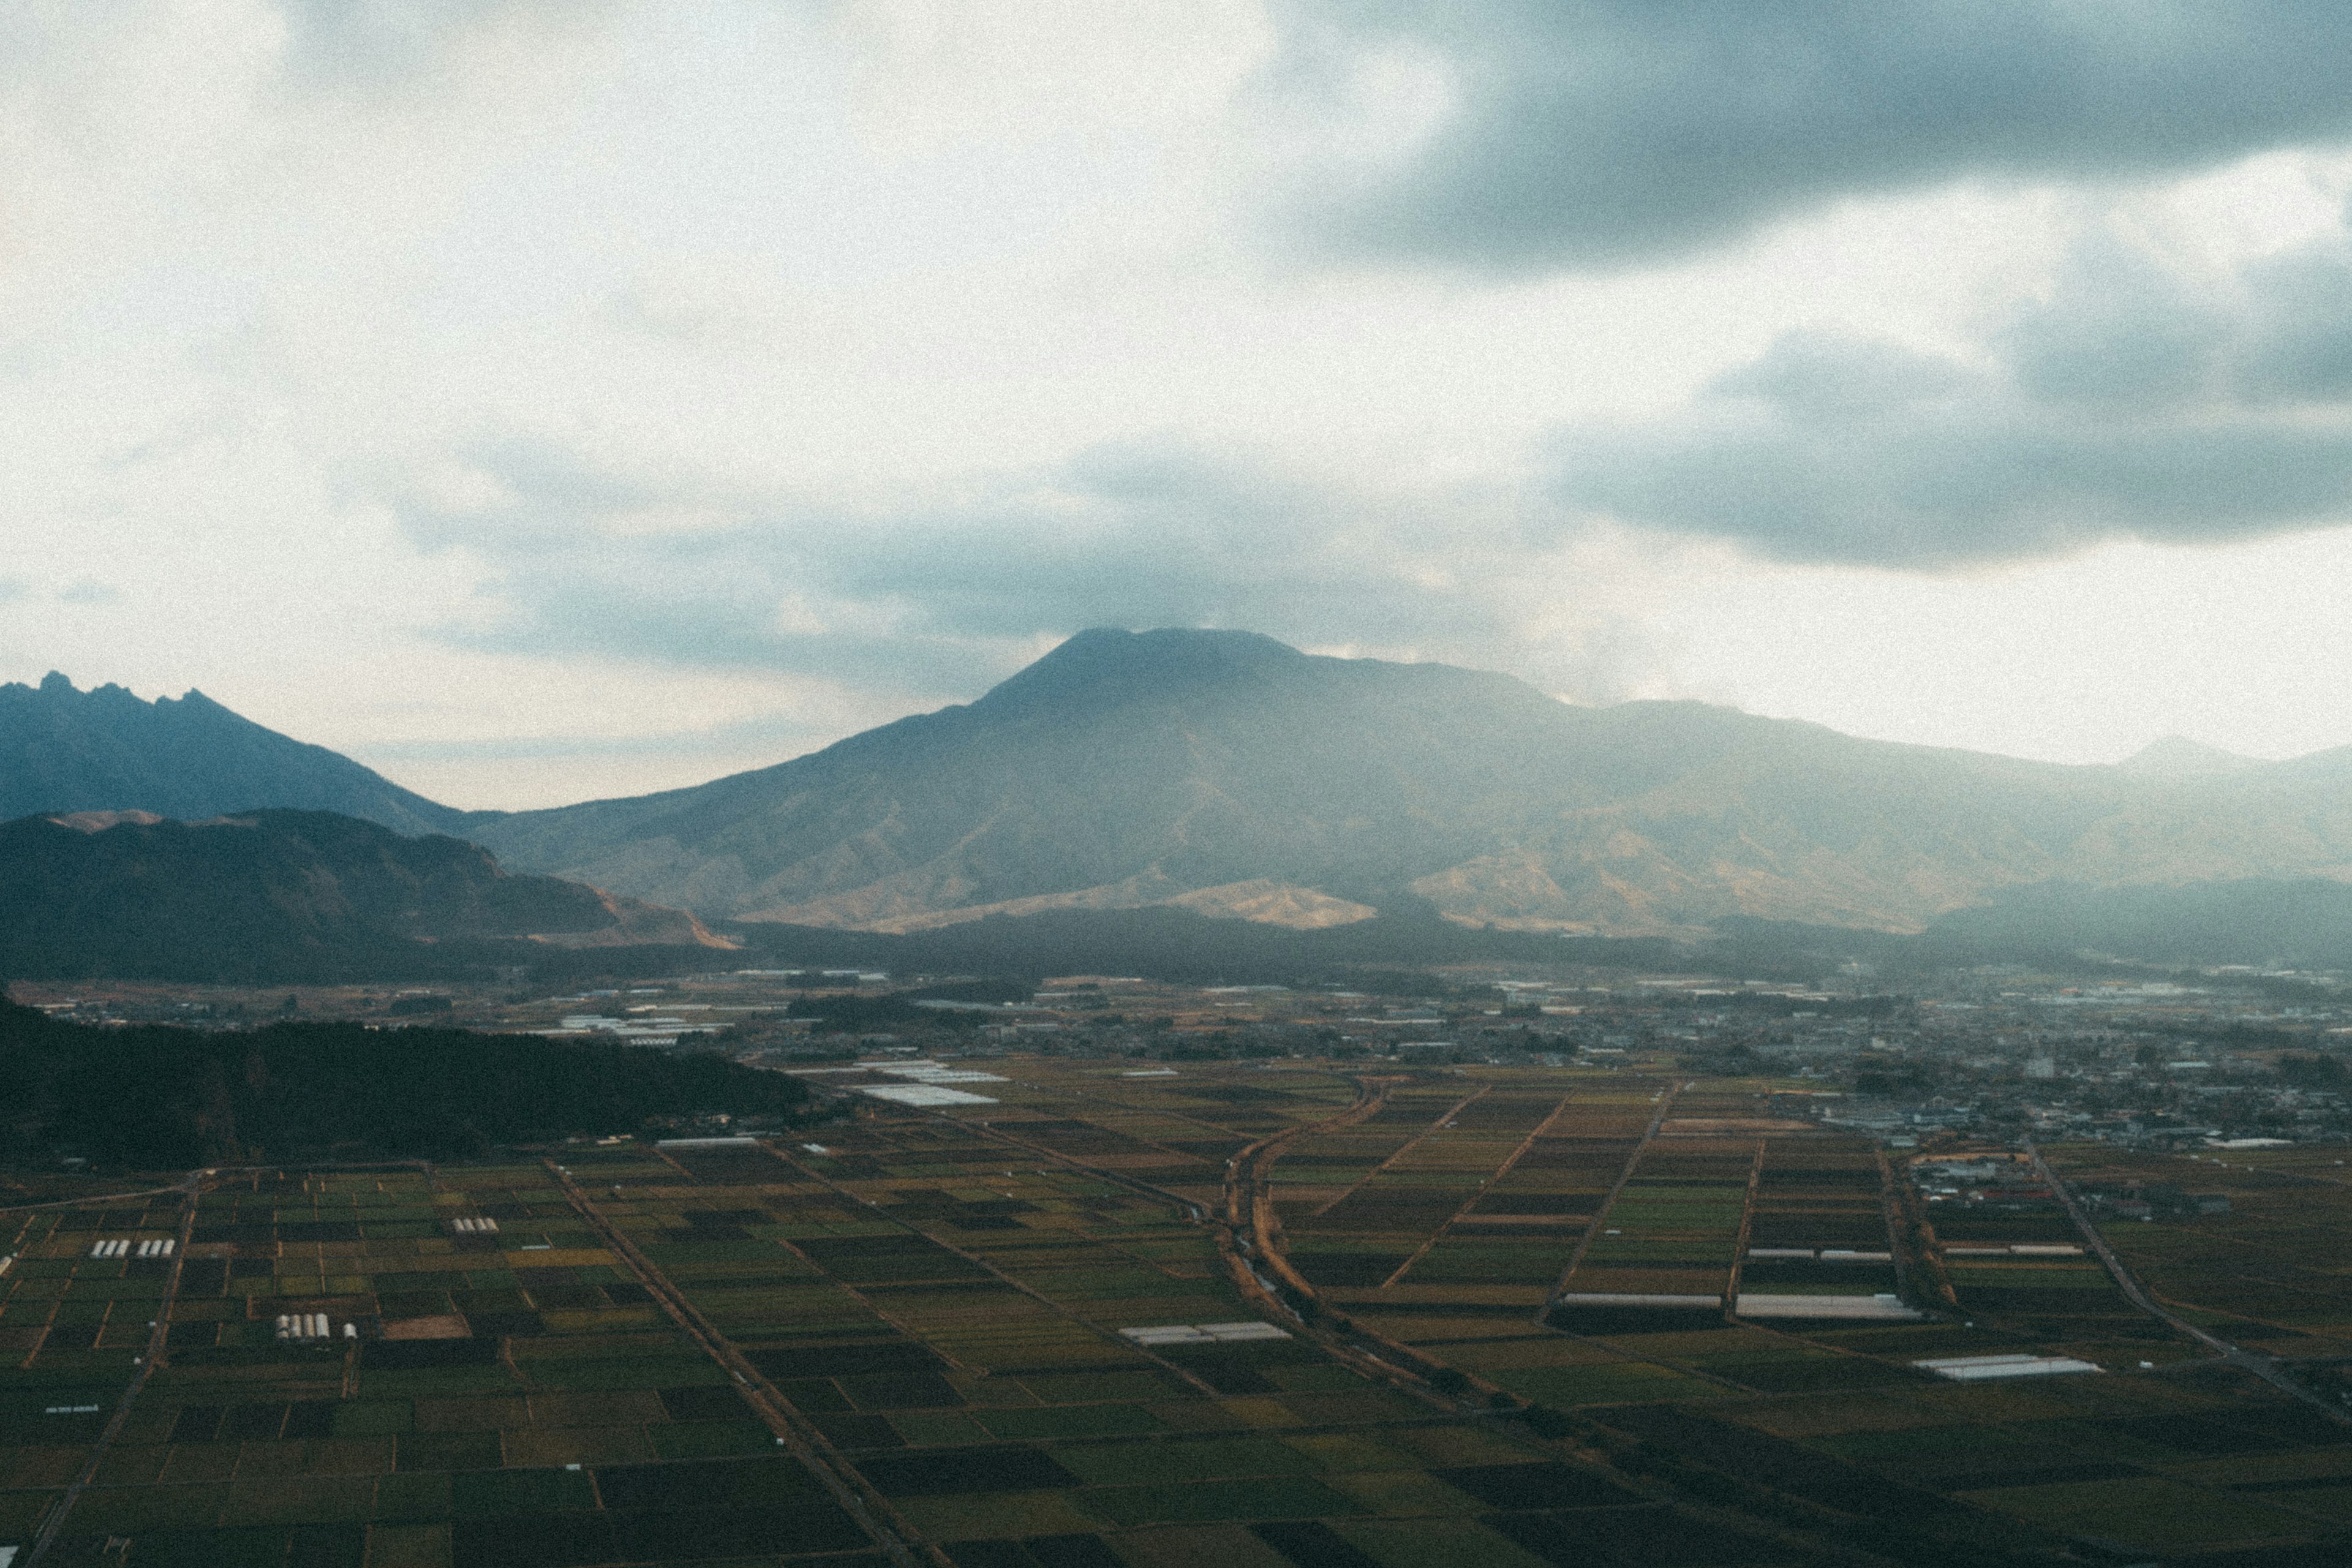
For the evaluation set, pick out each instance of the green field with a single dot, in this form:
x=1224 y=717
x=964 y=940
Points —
x=621 y=1355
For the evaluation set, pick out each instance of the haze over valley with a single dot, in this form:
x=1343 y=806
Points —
x=1196 y=784
x=1226 y=773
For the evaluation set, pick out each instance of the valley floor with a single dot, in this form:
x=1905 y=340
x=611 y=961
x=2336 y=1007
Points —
x=1390 y=1316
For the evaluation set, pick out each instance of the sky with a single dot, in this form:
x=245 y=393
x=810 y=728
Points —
x=541 y=400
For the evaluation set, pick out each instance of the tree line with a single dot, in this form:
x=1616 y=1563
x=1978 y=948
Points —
x=157 y=1096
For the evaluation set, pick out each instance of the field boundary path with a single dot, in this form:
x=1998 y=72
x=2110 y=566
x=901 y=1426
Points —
x=1747 y=1228
x=2264 y=1367
x=190 y=1189
x=1381 y=1360
x=177 y=1186
x=1197 y=1213
x=1438 y=1123
x=1068 y=1314
x=802 y=1440
x=1249 y=1206
x=1624 y=1175
x=1253 y=1233
x=1499 y=1172
x=1895 y=1208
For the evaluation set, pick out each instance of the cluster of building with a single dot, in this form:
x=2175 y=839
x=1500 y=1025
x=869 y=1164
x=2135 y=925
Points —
x=2223 y=1059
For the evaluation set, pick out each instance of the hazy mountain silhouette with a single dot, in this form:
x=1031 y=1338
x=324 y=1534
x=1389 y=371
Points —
x=2177 y=757
x=1226 y=775
x=105 y=750
x=280 y=895
x=2300 y=924
x=1238 y=776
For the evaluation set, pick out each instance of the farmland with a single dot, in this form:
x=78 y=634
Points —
x=1081 y=1313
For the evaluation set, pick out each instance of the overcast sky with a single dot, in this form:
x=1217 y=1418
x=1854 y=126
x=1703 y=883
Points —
x=541 y=399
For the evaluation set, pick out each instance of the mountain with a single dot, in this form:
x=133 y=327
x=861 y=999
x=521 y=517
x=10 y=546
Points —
x=2296 y=924
x=280 y=896
x=105 y=750
x=2178 y=757
x=1225 y=775
x=1232 y=774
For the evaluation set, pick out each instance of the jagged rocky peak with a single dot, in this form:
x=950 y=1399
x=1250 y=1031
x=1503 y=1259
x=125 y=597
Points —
x=64 y=750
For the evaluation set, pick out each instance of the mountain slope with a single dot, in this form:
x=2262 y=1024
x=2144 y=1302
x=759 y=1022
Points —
x=2177 y=757
x=105 y=750
x=1231 y=771
x=276 y=896
x=2305 y=925
x=1147 y=766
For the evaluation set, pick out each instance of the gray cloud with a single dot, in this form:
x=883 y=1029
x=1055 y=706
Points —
x=942 y=600
x=770 y=732
x=89 y=590
x=378 y=41
x=1598 y=132
x=2133 y=402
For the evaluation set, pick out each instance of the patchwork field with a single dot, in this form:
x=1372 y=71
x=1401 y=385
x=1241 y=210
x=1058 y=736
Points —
x=1235 y=1316
x=2269 y=1271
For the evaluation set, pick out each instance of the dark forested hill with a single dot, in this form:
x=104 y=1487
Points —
x=166 y=1098
x=280 y=896
x=104 y=750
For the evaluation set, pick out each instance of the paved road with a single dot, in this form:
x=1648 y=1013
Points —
x=189 y=1188
x=798 y=1436
x=2264 y=1367
x=1624 y=1175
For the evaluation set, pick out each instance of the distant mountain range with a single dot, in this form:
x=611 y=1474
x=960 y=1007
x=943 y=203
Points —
x=276 y=896
x=1225 y=774
x=2178 y=757
x=105 y=750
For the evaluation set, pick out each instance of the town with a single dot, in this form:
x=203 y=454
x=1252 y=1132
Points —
x=2230 y=1058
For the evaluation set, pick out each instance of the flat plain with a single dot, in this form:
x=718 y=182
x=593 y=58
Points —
x=1398 y=1317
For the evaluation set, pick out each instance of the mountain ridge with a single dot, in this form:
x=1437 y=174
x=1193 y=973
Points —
x=277 y=895
x=64 y=750
x=1226 y=773
x=1126 y=769
x=2177 y=757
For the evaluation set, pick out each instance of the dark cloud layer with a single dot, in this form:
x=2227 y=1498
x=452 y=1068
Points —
x=1599 y=131
x=2134 y=401
x=946 y=598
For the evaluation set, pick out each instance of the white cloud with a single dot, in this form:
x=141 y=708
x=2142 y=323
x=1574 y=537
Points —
x=551 y=400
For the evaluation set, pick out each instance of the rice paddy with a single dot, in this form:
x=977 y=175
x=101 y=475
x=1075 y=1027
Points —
x=1236 y=1315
